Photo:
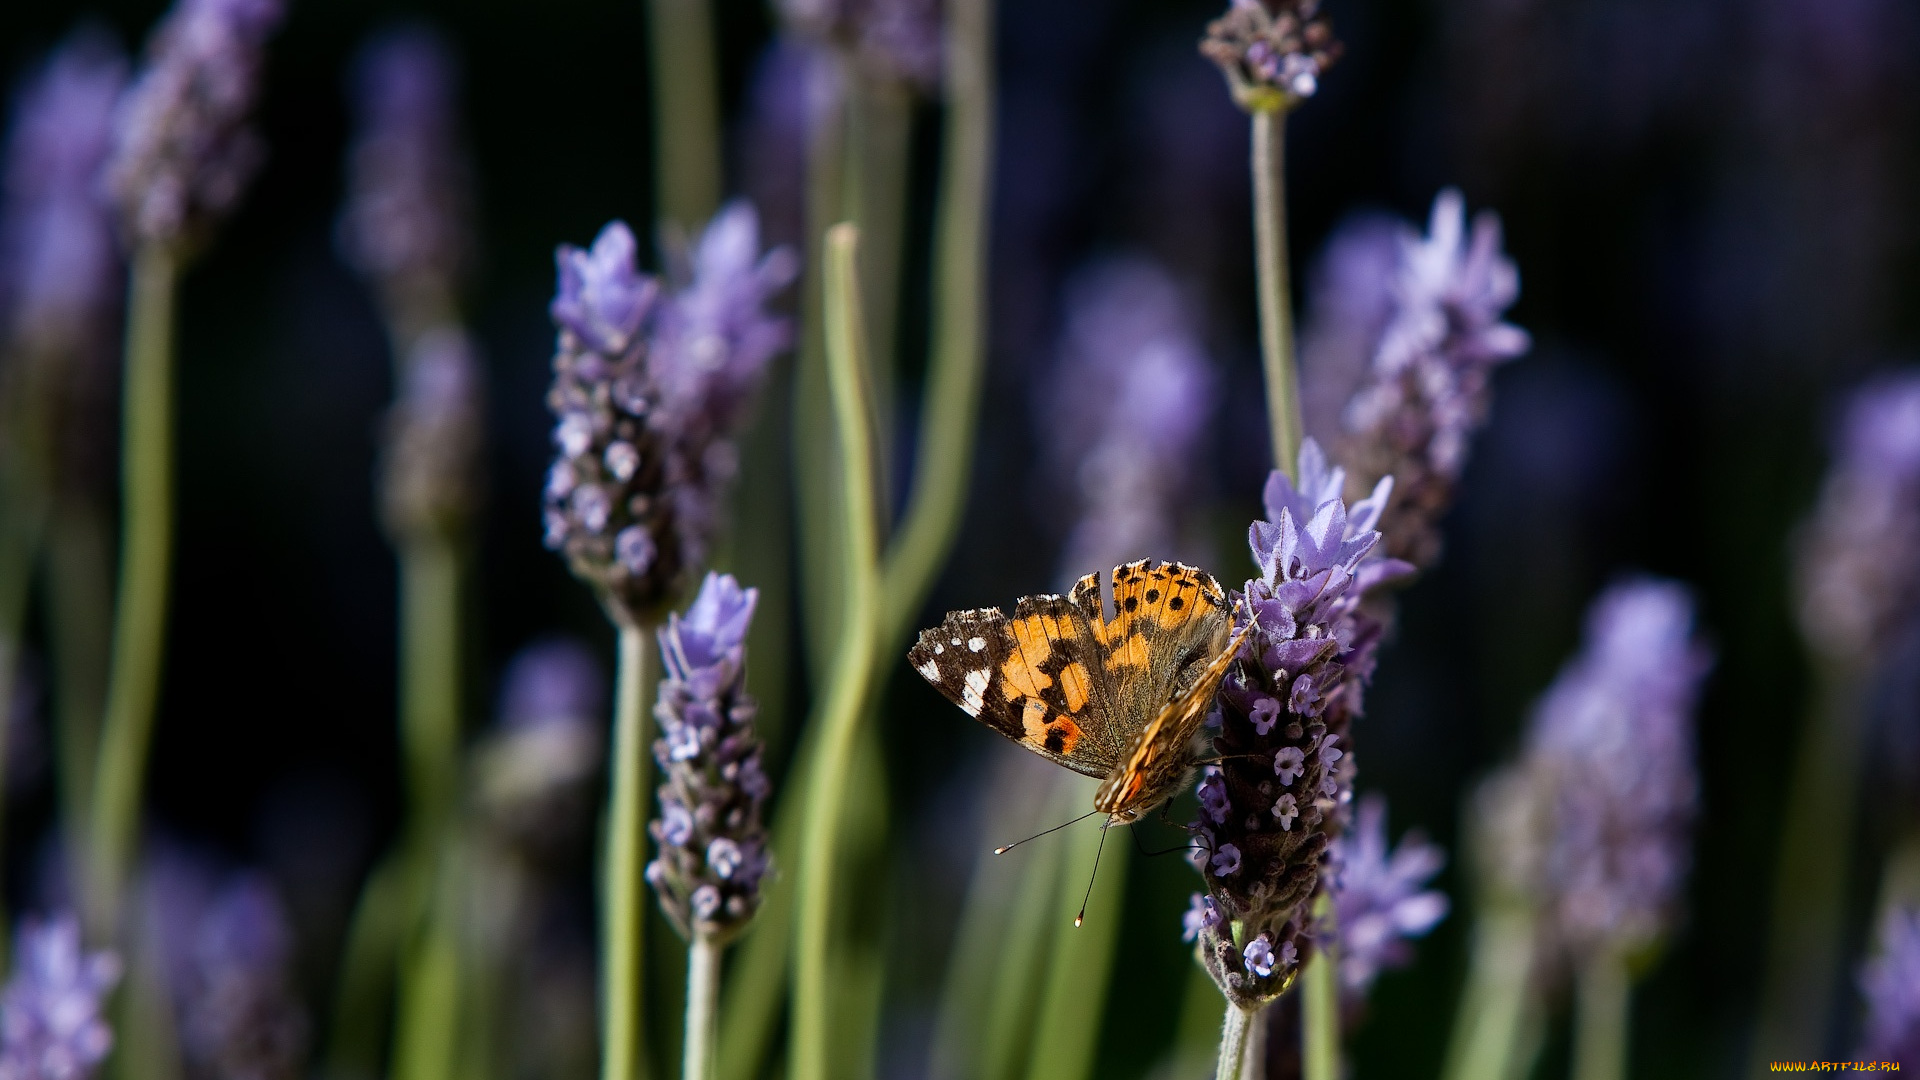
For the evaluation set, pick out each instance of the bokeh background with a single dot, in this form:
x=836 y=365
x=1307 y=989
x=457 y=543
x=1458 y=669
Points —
x=1711 y=205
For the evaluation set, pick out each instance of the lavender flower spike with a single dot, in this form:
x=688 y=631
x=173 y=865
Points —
x=430 y=477
x=533 y=772
x=59 y=271
x=1859 y=558
x=1414 y=414
x=1611 y=744
x=50 y=1012
x=1378 y=902
x=1890 y=982
x=1273 y=52
x=713 y=848
x=890 y=39
x=1285 y=710
x=183 y=150
x=648 y=390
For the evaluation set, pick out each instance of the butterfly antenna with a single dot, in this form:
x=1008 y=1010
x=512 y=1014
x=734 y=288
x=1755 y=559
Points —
x=1078 y=919
x=1009 y=847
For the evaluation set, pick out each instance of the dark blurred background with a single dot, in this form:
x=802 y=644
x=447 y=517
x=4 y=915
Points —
x=1710 y=203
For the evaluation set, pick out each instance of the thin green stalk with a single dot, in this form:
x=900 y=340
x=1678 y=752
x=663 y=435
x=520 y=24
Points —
x=146 y=556
x=1600 y=1020
x=1012 y=1011
x=1276 y=302
x=426 y=1043
x=430 y=574
x=1075 y=998
x=1491 y=1030
x=703 y=998
x=879 y=134
x=1806 y=946
x=78 y=609
x=847 y=693
x=623 y=1047
x=686 y=110
x=364 y=986
x=943 y=460
x=1319 y=1019
x=1234 y=1035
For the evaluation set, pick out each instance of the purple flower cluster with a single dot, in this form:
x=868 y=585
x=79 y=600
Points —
x=59 y=267
x=1890 y=982
x=183 y=151
x=648 y=388
x=534 y=772
x=1279 y=795
x=713 y=847
x=1379 y=899
x=50 y=1012
x=430 y=472
x=1413 y=412
x=406 y=221
x=1143 y=392
x=1859 y=557
x=1273 y=52
x=1610 y=749
x=891 y=39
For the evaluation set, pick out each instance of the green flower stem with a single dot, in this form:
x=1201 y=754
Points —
x=433 y=976
x=1234 y=1035
x=623 y=1047
x=703 y=999
x=363 y=988
x=78 y=609
x=146 y=557
x=1806 y=944
x=879 y=152
x=943 y=461
x=846 y=697
x=1601 y=991
x=1276 y=303
x=686 y=111
x=1498 y=1021
x=430 y=574
x=1320 y=1004
x=1074 y=1001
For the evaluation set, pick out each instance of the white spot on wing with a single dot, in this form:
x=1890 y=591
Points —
x=929 y=671
x=938 y=648
x=973 y=697
x=977 y=644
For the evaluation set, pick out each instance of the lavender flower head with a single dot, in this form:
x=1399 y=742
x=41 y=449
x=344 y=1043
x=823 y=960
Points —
x=891 y=39
x=51 y=1027
x=1273 y=52
x=1379 y=899
x=431 y=482
x=59 y=266
x=648 y=390
x=406 y=222
x=1279 y=795
x=1142 y=393
x=713 y=848
x=1611 y=746
x=1890 y=982
x=534 y=770
x=182 y=149
x=1859 y=557
x=1416 y=410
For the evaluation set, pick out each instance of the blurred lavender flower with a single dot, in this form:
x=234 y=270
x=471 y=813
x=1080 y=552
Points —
x=1413 y=413
x=1273 y=52
x=51 y=1027
x=1142 y=392
x=1890 y=982
x=1350 y=298
x=712 y=845
x=648 y=390
x=1378 y=900
x=182 y=149
x=1285 y=708
x=227 y=955
x=430 y=471
x=534 y=770
x=1611 y=748
x=59 y=267
x=894 y=39
x=1859 y=557
x=406 y=222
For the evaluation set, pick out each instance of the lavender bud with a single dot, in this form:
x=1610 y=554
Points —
x=1378 y=898
x=648 y=390
x=183 y=151
x=1858 y=566
x=50 y=1012
x=59 y=270
x=1273 y=52
x=406 y=224
x=534 y=771
x=713 y=848
x=430 y=482
x=1611 y=745
x=1890 y=983
x=229 y=954
x=891 y=39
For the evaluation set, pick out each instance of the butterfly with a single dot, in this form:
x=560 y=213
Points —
x=1116 y=698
